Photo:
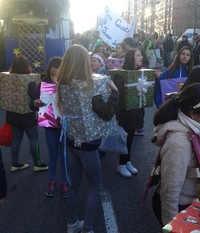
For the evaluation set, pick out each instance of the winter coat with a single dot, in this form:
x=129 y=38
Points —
x=178 y=160
x=102 y=70
x=168 y=45
x=182 y=44
x=197 y=55
x=154 y=52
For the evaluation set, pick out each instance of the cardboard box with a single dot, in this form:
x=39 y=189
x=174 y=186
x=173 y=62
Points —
x=14 y=91
x=115 y=63
x=83 y=125
x=186 y=221
x=138 y=87
x=171 y=85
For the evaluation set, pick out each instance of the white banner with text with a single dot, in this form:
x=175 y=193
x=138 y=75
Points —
x=112 y=28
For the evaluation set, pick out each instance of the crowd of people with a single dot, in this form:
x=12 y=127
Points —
x=176 y=116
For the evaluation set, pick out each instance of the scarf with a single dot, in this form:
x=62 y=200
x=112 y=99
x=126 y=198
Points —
x=189 y=122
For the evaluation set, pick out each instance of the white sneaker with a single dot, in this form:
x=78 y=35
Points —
x=76 y=227
x=131 y=169
x=122 y=170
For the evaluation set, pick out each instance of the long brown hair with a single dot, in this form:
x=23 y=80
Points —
x=176 y=62
x=129 y=62
x=20 y=65
x=75 y=66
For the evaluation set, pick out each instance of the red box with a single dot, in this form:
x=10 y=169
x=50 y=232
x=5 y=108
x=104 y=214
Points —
x=186 y=221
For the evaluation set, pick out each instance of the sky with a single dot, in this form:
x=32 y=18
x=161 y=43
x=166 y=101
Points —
x=84 y=12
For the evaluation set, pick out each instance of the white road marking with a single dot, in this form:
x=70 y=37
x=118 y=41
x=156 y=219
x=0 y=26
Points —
x=109 y=215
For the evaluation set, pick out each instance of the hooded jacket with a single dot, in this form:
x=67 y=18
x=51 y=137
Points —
x=178 y=161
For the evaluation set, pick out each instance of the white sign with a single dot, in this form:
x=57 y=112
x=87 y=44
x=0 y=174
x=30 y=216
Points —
x=113 y=29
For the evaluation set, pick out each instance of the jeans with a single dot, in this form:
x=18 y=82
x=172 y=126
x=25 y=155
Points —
x=32 y=134
x=56 y=148
x=89 y=162
x=123 y=159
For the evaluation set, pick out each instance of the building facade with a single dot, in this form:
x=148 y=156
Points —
x=162 y=16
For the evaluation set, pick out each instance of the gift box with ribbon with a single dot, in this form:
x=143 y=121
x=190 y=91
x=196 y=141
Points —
x=83 y=125
x=49 y=115
x=14 y=91
x=171 y=85
x=115 y=63
x=186 y=221
x=138 y=87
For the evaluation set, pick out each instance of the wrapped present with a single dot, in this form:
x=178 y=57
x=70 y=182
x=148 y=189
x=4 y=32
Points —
x=170 y=85
x=186 y=221
x=138 y=87
x=49 y=115
x=83 y=125
x=14 y=91
x=115 y=63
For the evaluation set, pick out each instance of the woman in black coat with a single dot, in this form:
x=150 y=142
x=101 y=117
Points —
x=129 y=120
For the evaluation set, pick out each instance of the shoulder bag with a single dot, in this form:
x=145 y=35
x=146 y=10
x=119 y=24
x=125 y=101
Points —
x=159 y=62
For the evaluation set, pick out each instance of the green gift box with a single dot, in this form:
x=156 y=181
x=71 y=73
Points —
x=14 y=91
x=138 y=88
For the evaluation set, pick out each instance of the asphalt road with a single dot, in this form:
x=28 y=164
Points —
x=28 y=210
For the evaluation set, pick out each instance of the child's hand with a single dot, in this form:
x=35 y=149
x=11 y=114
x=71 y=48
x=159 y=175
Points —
x=38 y=103
x=157 y=73
x=112 y=85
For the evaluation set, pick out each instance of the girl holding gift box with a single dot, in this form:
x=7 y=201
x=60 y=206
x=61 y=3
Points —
x=52 y=127
x=129 y=120
x=21 y=123
x=116 y=60
x=75 y=74
x=180 y=68
x=179 y=167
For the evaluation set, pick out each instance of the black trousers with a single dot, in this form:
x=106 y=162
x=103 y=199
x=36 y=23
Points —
x=3 y=183
x=156 y=203
x=123 y=159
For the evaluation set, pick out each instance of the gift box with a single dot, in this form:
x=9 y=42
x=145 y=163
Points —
x=186 y=221
x=171 y=85
x=83 y=125
x=115 y=63
x=138 y=87
x=49 y=115
x=14 y=91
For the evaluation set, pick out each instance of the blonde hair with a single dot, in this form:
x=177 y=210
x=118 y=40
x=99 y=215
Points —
x=75 y=66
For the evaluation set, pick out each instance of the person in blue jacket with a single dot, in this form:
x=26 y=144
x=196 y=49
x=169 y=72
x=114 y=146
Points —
x=180 y=67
